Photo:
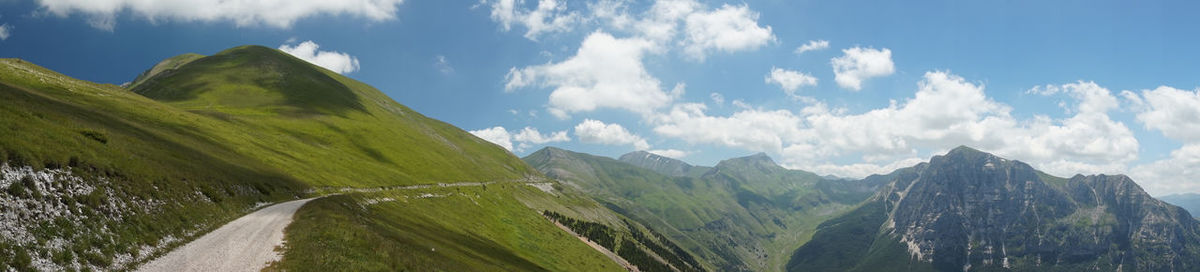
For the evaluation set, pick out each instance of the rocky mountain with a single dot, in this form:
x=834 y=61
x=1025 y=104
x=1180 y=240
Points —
x=1189 y=202
x=745 y=214
x=973 y=211
x=663 y=165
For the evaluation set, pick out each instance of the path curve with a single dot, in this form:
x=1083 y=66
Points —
x=246 y=244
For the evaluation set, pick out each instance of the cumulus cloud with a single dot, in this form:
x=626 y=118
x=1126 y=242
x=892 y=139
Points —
x=597 y=132
x=790 y=80
x=751 y=129
x=273 y=13
x=727 y=29
x=1174 y=112
x=859 y=64
x=497 y=135
x=1175 y=174
x=5 y=31
x=338 y=62
x=606 y=72
x=812 y=45
x=548 y=17
x=526 y=138
x=945 y=111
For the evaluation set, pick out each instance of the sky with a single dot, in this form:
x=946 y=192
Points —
x=845 y=88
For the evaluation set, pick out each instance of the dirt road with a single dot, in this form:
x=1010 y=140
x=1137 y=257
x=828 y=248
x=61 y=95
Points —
x=246 y=244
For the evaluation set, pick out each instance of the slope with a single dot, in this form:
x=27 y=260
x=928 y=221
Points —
x=969 y=210
x=317 y=125
x=740 y=215
x=101 y=178
x=96 y=177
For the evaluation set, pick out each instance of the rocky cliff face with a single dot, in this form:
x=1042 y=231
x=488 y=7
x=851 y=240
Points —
x=969 y=210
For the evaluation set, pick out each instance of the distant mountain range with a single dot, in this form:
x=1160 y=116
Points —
x=744 y=214
x=963 y=211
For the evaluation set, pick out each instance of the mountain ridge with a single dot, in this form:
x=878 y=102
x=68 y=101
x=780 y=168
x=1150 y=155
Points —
x=971 y=210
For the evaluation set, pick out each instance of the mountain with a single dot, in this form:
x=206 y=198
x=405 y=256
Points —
x=663 y=165
x=167 y=65
x=1189 y=202
x=745 y=214
x=100 y=177
x=969 y=210
x=316 y=124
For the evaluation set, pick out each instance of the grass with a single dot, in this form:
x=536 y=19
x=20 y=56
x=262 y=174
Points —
x=131 y=149
x=323 y=128
x=223 y=132
x=457 y=229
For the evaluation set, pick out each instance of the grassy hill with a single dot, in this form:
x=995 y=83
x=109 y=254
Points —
x=100 y=177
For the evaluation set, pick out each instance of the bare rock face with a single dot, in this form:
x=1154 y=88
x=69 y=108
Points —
x=972 y=211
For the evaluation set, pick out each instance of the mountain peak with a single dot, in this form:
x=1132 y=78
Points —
x=253 y=77
x=758 y=160
x=966 y=150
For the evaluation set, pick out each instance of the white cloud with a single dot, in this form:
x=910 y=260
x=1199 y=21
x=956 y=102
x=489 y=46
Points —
x=274 y=13
x=531 y=135
x=1174 y=112
x=1176 y=174
x=946 y=111
x=5 y=31
x=337 y=62
x=717 y=98
x=497 y=135
x=606 y=72
x=609 y=71
x=669 y=153
x=727 y=29
x=748 y=129
x=790 y=80
x=812 y=45
x=548 y=17
x=859 y=64
x=661 y=22
x=442 y=65
x=524 y=139
x=594 y=131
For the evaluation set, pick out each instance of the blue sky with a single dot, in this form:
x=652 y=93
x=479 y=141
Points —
x=1068 y=86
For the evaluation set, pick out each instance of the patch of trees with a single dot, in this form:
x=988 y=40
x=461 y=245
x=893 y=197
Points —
x=638 y=257
x=593 y=231
x=671 y=253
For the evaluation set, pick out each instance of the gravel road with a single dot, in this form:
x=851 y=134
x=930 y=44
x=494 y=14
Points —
x=246 y=244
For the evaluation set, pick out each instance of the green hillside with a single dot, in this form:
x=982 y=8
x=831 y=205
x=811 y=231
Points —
x=324 y=128
x=744 y=214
